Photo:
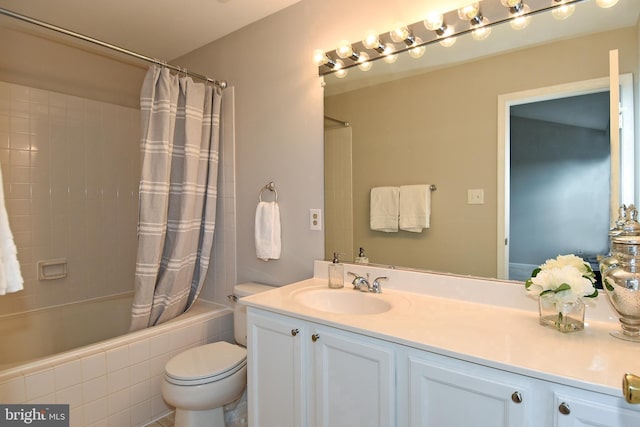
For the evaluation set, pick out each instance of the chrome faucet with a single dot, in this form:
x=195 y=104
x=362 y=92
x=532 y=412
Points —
x=361 y=284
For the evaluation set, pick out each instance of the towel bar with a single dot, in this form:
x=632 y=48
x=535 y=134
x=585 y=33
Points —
x=271 y=187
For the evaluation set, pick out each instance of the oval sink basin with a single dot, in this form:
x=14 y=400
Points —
x=342 y=301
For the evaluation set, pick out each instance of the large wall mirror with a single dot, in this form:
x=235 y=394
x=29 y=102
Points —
x=434 y=120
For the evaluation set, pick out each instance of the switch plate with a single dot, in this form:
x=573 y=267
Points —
x=315 y=219
x=475 y=196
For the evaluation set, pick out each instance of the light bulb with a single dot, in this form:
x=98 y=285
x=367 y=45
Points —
x=521 y=20
x=344 y=49
x=371 y=41
x=342 y=73
x=400 y=34
x=510 y=3
x=363 y=61
x=417 y=51
x=387 y=55
x=563 y=11
x=469 y=12
x=434 y=21
x=606 y=3
x=481 y=31
x=319 y=57
x=448 y=42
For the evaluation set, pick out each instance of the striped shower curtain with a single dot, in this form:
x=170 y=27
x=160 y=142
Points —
x=180 y=143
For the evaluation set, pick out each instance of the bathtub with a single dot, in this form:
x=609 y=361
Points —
x=82 y=355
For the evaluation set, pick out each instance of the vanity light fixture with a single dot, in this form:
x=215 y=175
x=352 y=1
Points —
x=442 y=28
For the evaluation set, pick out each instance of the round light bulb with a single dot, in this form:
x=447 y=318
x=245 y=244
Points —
x=319 y=57
x=434 y=21
x=510 y=3
x=342 y=73
x=400 y=34
x=448 y=42
x=469 y=12
x=388 y=56
x=521 y=20
x=563 y=12
x=417 y=51
x=344 y=49
x=371 y=41
x=481 y=31
x=606 y=3
x=363 y=61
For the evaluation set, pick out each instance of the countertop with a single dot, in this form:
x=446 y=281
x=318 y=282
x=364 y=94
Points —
x=497 y=336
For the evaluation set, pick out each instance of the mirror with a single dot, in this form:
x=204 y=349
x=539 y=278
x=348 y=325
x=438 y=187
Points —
x=438 y=124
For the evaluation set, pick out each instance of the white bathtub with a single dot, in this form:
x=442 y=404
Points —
x=115 y=381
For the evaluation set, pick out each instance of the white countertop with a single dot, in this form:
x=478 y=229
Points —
x=502 y=333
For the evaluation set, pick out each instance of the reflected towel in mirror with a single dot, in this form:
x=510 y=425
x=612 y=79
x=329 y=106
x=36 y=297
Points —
x=383 y=211
x=415 y=207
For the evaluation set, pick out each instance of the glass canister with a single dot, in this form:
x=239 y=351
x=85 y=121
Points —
x=621 y=282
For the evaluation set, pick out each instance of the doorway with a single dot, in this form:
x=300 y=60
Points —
x=554 y=172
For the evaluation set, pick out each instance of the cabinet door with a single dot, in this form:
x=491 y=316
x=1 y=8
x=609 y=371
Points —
x=593 y=410
x=276 y=380
x=450 y=393
x=354 y=380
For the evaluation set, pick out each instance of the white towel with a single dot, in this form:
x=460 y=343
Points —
x=415 y=207
x=267 y=231
x=383 y=210
x=10 y=275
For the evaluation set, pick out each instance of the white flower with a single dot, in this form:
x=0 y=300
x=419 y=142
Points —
x=570 y=260
x=566 y=279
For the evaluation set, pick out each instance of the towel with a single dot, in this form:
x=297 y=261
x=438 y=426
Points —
x=10 y=275
x=383 y=211
x=415 y=207
x=267 y=230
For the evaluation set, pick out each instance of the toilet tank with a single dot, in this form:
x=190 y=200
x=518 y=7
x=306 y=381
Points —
x=240 y=310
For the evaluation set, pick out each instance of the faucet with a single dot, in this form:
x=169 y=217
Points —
x=361 y=284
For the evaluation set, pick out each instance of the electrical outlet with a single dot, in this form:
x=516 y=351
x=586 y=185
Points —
x=475 y=196
x=315 y=219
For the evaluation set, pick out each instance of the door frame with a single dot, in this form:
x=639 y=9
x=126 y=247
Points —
x=505 y=102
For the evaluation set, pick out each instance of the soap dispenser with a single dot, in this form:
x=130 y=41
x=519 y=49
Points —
x=361 y=258
x=336 y=273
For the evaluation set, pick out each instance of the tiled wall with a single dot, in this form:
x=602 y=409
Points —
x=117 y=385
x=71 y=170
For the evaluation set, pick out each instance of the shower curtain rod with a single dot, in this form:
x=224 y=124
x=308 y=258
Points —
x=345 y=124
x=220 y=83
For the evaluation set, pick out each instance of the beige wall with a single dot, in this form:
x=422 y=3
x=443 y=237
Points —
x=441 y=128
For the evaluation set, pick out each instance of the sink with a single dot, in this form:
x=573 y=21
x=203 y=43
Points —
x=342 y=301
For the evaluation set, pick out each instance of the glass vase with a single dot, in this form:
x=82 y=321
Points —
x=561 y=315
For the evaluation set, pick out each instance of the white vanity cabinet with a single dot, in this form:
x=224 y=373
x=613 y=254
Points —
x=305 y=374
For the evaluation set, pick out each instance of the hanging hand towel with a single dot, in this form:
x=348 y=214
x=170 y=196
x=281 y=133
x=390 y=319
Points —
x=383 y=212
x=415 y=207
x=10 y=275
x=267 y=230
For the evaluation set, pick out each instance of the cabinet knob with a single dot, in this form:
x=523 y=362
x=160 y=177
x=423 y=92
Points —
x=564 y=408
x=516 y=397
x=631 y=388
x=295 y=332
x=315 y=337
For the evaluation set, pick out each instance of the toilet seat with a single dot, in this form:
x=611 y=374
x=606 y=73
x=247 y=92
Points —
x=205 y=364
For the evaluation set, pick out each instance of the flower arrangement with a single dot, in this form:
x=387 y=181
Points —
x=566 y=278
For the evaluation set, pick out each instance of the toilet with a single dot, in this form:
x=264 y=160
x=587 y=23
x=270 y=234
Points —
x=199 y=381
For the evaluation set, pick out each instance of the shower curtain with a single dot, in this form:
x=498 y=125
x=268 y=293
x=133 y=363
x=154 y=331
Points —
x=180 y=143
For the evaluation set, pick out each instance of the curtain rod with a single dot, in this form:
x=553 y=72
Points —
x=343 y=123
x=221 y=83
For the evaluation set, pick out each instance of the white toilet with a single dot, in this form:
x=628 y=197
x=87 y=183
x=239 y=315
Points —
x=198 y=382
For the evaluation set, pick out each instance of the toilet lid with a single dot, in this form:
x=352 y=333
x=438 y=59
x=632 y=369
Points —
x=206 y=361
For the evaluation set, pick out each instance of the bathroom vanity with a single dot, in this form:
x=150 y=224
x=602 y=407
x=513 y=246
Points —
x=430 y=350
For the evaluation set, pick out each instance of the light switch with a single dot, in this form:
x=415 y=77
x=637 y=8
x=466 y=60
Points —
x=475 y=196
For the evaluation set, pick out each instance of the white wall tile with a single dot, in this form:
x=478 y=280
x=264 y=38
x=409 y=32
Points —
x=117 y=358
x=140 y=392
x=68 y=374
x=73 y=396
x=39 y=384
x=95 y=411
x=94 y=389
x=140 y=372
x=94 y=366
x=141 y=413
x=13 y=391
x=118 y=380
x=118 y=402
x=120 y=419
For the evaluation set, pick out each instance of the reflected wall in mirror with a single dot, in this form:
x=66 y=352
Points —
x=440 y=127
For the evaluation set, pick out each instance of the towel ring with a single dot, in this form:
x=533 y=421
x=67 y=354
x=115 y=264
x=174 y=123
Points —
x=271 y=187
